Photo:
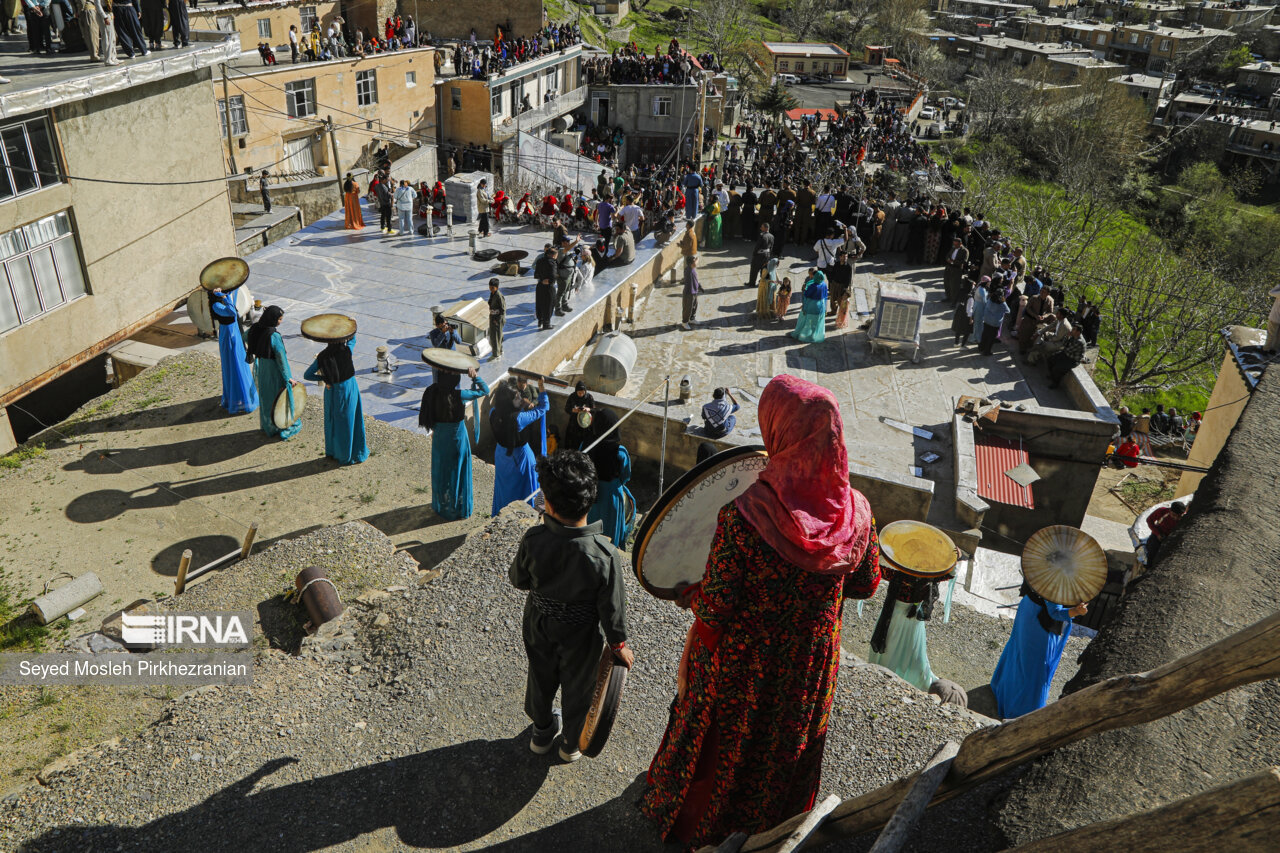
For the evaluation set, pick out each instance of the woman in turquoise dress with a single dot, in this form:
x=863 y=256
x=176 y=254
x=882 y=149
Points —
x=615 y=505
x=979 y=307
x=344 y=438
x=271 y=371
x=444 y=412
x=514 y=476
x=238 y=394
x=811 y=327
x=898 y=641
x=713 y=231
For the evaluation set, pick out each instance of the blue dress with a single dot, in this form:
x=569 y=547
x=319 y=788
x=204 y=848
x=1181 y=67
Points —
x=979 y=310
x=514 y=477
x=238 y=394
x=1029 y=660
x=451 y=488
x=811 y=327
x=273 y=376
x=612 y=502
x=343 y=416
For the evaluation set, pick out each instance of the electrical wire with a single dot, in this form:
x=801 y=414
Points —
x=61 y=176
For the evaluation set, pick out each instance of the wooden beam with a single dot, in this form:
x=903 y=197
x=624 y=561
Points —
x=1245 y=657
x=898 y=829
x=1241 y=817
x=248 y=541
x=180 y=582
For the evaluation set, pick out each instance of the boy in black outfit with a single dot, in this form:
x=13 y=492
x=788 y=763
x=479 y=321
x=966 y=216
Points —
x=576 y=602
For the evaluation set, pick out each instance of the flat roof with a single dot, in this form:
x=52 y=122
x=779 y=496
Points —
x=1145 y=81
x=45 y=81
x=806 y=48
x=1177 y=32
x=1085 y=61
x=249 y=62
x=1261 y=67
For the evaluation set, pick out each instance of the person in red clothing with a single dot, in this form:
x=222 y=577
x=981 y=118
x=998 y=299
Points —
x=566 y=205
x=549 y=205
x=744 y=742
x=1128 y=452
x=1162 y=521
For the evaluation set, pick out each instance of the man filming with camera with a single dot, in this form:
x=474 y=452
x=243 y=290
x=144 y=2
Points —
x=443 y=336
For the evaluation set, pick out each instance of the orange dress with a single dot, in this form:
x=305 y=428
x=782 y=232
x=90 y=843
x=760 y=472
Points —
x=351 y=204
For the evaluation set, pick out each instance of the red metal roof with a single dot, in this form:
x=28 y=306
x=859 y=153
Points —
x=995 y=456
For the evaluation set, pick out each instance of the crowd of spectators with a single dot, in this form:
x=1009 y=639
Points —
x=477 y=60
x=631 y=65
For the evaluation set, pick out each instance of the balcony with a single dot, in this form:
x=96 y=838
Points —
x=1251 y=151
x=531 y=120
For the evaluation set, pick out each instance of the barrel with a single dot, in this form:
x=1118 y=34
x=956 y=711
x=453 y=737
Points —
x=610 y=364
x=319 y=595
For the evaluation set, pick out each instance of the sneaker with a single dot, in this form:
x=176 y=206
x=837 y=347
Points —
x=684 y=326
x=568 y=308
x=568 y=757
x=559 y=313
x=543 y=739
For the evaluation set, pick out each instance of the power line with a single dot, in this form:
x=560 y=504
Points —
x=65 y=177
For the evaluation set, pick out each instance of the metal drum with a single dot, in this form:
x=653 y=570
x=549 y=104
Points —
x=609 y=366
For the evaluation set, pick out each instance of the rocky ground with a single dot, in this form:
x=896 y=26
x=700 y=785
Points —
x=155 y=467
x=401 y=727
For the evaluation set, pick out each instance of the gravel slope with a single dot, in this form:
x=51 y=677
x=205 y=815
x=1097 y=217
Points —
x=404 y=730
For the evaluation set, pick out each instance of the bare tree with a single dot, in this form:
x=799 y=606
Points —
x=726 y=28
x=805 y=16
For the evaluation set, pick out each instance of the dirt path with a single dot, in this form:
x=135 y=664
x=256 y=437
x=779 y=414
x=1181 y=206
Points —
x=155 y=467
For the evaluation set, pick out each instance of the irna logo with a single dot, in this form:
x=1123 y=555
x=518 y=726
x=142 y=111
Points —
x=205 y=630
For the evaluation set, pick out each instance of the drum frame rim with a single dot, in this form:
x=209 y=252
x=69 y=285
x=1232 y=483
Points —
x=594 y=745
x=942 y=574
x=276 y=401
x=219 y=260
x=458 y=370
x=680 y=488
x=318 y=340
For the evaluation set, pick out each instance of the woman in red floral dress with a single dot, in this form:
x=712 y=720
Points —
x=743 y=747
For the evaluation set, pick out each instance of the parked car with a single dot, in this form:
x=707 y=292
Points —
x=953 y=104
x=788 y=79
x=1206 y=89
x=928 y=114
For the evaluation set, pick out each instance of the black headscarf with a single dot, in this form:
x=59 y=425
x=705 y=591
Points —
x=503 y=419
x=214 y=299
x=605 y=454
x=335 y=363
x=442 y=402
x=259 y=343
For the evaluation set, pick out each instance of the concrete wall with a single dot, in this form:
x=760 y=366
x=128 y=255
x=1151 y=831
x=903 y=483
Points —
x=631 y=108
x=314 y=197
x=142 y=247
x=402 y=112
x=456 y=20
x=1230 y=396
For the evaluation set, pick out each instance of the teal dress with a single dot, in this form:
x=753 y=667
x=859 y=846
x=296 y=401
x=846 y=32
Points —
x=238 y=394
x=615 y=505
x=344 y=438
x=906 y=651
x=452 y=493
x=272 y=376
x=811 y=326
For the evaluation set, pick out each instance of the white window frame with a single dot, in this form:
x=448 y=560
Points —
x=306 y=17
x=264 y=32
x=239 y=118
x=410 y=79
x=18 y=249
x=661 y=107
x=495 y=102
x=1165 y=44
x=19 y=149
x=367 y=87
x=307 y=106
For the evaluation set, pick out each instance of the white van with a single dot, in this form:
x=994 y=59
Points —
x=788 y=79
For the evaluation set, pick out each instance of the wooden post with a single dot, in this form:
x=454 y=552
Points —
x=811 y=822
x=898 y=829
x=180 y=582
x=226 y=124
x=1245 y=657
x=248 y=540
x=333 y=143
x=1240 y=817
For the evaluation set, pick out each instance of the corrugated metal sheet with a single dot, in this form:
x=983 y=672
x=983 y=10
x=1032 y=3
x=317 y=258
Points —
x=995 y=456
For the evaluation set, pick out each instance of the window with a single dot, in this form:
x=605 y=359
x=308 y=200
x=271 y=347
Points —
x=308 y=15
x=300 y=97
x=1146 y=41
x=455 y=97
x=410 y=79
x=264 y=28
x=662 y=105
x=551 y=80
x=782 y=65
x=980 y=52
x=1133 y=38
x=799 y=66
x=28 y=164
x=495 y=101
x=1164 y=45
x=1102 y=38
x=239 y=120
x=226 y=24
x=41 y=269
x=366 y=88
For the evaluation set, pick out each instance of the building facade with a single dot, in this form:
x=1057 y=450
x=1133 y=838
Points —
x=300 y=117
x=112 y=200
x=817 y=58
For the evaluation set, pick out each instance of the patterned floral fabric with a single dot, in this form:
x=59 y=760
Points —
x=743 y=746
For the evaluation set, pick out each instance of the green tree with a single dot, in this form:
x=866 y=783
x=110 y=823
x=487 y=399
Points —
x=1234 y=58
x=775 y=101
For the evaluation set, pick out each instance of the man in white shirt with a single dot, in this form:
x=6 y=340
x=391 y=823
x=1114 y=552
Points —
x=824 y=207
x=633 y=215
x=828 y=246
x=722 y=196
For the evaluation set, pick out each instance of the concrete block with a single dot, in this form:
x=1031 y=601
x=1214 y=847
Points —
x=460 y=191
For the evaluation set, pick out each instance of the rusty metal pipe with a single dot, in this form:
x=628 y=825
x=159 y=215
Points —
x=319 y=595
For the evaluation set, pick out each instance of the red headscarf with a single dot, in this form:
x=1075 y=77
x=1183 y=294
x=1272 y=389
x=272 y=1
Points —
x=802 y=504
